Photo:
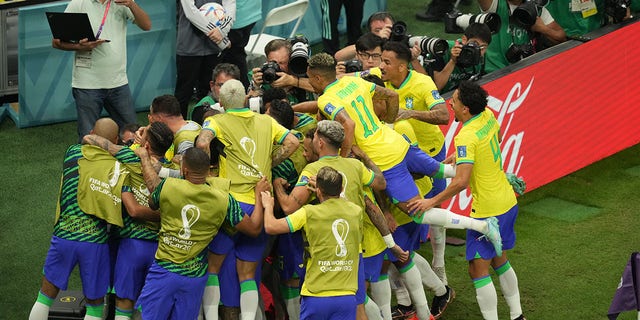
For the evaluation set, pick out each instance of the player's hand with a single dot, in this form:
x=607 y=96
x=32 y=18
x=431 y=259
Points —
x=402 y=255
x=404 y=114
x=417 y=208
x=312 y=184
x=138 y=135
x=450 y=159
x=267 y=199
x=280 y=182
x=257 y=76
x=215 y=35
x=141 y=152
x=356 y=151
x=263 y=185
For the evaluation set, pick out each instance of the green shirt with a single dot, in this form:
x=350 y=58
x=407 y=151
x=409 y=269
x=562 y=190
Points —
x=191 y=215
x=333 y=230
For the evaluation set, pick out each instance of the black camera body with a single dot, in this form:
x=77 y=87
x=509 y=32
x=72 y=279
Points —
x=399 y=32
x=269 y=72
x=456 y=22
x=299 y=55
x=526 y=14
x=470 y=55
x=352 y=66
x=517 y=52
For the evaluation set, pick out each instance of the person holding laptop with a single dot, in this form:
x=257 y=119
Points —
x=100 y=67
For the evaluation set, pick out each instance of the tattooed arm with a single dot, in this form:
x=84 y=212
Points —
x=289 y=145
x=290 y=202
x=98 y=141
x=149 y=173
x=391 y=99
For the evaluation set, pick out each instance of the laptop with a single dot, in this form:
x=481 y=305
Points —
x=70 y=27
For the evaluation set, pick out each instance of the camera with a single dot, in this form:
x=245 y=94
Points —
x=616 y=9
x=457 y=22
x=399 y=32
x=526 y=14
x=299 y=55
x=469 y=55
x=352 y=66
x=517 y=52
x=430 y=45
x=269 y=70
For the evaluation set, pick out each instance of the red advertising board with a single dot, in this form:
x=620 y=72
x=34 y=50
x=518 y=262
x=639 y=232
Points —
x=565 y=112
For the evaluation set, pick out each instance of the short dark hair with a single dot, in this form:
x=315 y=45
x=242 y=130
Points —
x=231 y=69
x=401 y=50
x=160 y=137
x=282 y=112
x=369 y=41
x=274 y=94
x=310 y=133
x=196 y=160
x=478 y=30
x=473 y=96
x=379 y=16
x=374 y=79
x=329 y=181
x=166 y=104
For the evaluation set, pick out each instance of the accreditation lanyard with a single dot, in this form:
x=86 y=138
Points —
x=104 y=19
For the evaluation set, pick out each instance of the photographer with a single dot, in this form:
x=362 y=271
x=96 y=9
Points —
x=278 y=54
x=577 y=20
x=368 y=55
x=475 y=41
x=380 y=24
x=514 y=41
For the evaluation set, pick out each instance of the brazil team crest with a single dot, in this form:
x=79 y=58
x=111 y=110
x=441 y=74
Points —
x=408 y=102
x=329 y=108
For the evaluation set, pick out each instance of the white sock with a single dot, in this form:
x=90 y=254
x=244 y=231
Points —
x=372 y=310
x=39 y=311
x=429 y=278
x=121 y=317
x=411 y=277
x=510 y=291
x=211 y=297
x=487 y=298
x=381 y=294
x=438 y=238
x=88 y=317
x=450 y=220
x=293 y=308
x=248 y=300
x=399 y=289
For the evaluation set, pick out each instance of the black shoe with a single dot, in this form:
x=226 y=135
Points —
x=401 y=312
x=521 y=317
x=440 y=303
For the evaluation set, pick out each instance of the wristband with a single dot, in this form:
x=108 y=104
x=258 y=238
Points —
x=164 y=172
x=388 y=239
x=449 y=171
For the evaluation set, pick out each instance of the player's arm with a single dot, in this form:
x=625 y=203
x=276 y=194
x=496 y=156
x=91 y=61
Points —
x=140 y=17
x=377 y=218
x=458 y=183
x=349 y=131
x=310 y=107
x=272 y=225
x=293 y=201
x=390 y=99
x=151 y=178
x=105 y=144
x=138 y=211
x=379 y=182
x=437 y=115
x=204 y=139
x=251 y=225
x=289 y=145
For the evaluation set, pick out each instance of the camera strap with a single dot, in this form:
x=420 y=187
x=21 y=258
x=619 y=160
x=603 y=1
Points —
x=104 y=19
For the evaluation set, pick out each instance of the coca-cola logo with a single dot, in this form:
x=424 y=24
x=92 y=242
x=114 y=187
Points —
x=511 y=142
